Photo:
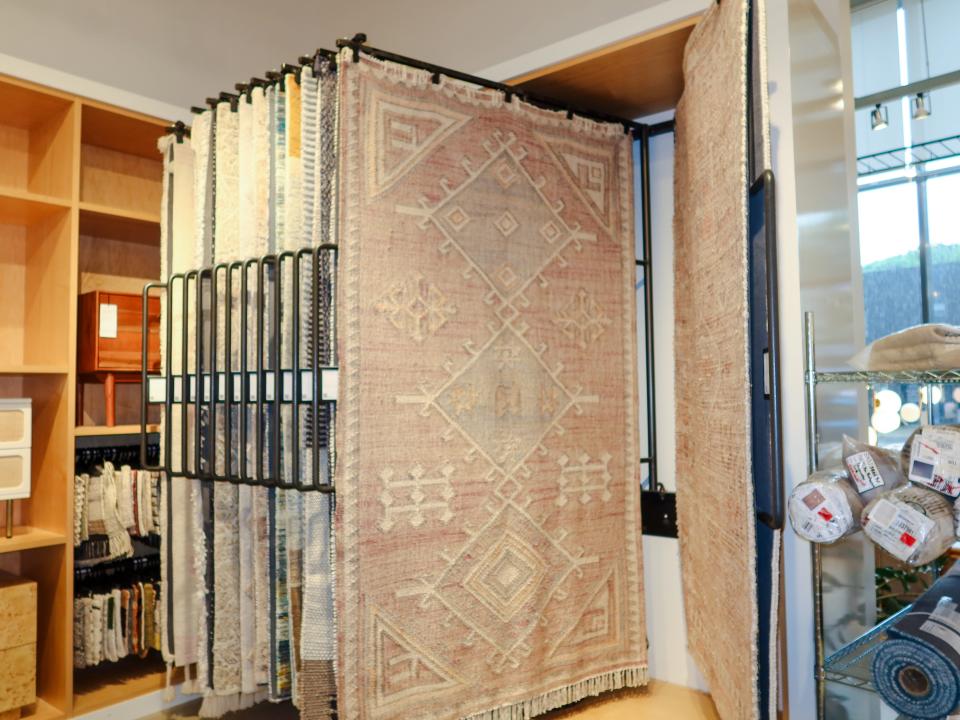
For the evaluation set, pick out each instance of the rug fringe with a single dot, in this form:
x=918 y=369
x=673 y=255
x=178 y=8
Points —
x=215 y=706
x=525 y=709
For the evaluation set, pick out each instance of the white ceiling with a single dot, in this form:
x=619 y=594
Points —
x=181 y=51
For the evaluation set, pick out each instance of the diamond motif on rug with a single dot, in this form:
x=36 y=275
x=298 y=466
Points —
x=503 y=579
x=506 y=576
x=498 y=234
x=507 y=419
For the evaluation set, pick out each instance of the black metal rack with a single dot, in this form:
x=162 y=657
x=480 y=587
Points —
x=260 y=388
x=263 y=387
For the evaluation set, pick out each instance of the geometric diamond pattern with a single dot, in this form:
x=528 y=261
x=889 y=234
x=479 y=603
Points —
x=506 y=576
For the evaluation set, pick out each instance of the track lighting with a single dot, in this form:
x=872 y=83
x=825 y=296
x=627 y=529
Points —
x=921 y=108
x=878 y=118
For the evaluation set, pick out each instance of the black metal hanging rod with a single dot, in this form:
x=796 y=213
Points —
x=358 y=44
x=321 y=55
x=180 y=129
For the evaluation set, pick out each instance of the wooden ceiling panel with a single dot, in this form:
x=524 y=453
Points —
x=635 y=77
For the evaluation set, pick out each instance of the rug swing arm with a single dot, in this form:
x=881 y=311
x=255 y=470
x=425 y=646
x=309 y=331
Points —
x=266 y=386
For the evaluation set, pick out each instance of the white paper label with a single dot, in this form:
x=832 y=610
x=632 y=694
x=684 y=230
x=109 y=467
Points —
x=935 y=460
x=819 y=520
x=864 y=472
x=898 y=528
x=108 y=320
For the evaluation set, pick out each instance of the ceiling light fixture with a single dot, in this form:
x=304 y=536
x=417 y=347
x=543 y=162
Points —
x=921 y=108
x=878 y=118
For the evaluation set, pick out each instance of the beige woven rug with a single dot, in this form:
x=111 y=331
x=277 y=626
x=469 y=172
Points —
x=488 y=537
x=711 y=344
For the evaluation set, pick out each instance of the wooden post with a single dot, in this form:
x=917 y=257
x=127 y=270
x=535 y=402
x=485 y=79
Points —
x=110 y=399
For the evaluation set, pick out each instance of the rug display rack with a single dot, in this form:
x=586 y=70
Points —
x=263 y=405
x=301 y=385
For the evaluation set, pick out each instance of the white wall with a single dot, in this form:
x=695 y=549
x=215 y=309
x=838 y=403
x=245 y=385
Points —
x=666 y=626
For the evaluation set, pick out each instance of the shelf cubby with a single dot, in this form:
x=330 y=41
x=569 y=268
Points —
x=37 y=132
x=36 y=284
x=121 y=170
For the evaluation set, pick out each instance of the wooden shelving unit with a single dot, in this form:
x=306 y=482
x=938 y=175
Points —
x=80 y=188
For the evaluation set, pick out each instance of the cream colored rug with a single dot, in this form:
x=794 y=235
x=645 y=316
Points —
x=488 y=525
x=715 y=503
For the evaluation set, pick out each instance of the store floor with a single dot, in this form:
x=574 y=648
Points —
x=661 y=701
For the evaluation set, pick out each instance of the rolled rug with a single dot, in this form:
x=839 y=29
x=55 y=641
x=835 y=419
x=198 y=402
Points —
x=917 y=670
x=912 y=523
x=871 y=469
x=825 y=507
x=931 y=457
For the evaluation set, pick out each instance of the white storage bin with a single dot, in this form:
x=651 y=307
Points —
x=15 y=422
x=14 y=473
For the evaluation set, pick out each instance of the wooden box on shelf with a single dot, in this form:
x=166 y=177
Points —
x=18 y=644
x=110 y=342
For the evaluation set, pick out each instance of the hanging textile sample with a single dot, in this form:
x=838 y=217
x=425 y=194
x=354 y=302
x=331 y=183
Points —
x=182 y=603
x=318 y=637
x=719 y=537
x=488 y=403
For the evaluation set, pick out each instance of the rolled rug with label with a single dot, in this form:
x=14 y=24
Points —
x=825 y=507
x=917 y=669
x=871 y=469
x=912 y=523
x=931 y=457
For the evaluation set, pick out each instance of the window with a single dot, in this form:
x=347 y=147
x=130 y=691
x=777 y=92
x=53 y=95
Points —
x=890 y=257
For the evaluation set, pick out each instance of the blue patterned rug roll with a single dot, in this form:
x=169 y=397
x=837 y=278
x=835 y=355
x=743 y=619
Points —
x=917 y=670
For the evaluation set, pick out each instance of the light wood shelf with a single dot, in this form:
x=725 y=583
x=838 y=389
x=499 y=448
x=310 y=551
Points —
x=69 y=168
x=28 y=538
x=119 y=213
x=20 y=207
x=98 y=430
x=34 y=369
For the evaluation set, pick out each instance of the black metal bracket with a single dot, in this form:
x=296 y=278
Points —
x=659 y=513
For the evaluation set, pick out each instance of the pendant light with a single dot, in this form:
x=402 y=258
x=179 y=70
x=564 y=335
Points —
x=921 y=103
x=878 y=118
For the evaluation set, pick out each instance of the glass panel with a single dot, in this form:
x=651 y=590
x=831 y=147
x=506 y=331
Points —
x=943 y=217
x=889 y=255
